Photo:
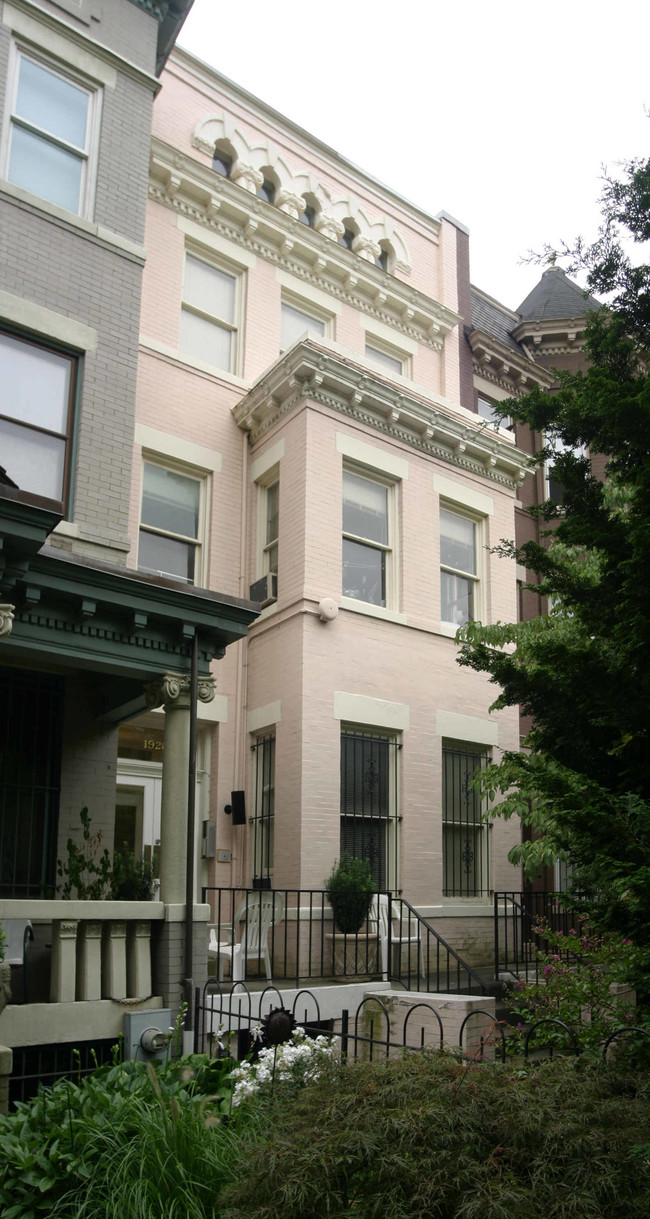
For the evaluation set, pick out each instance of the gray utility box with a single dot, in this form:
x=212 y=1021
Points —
x=146 y=1025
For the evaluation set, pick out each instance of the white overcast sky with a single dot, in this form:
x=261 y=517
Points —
x=502 y=114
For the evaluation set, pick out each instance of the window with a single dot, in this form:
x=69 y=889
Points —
x=37 y=390
x=347 y=237
x=222 y=163
x=487 y=412
x=553 y=485
x=51 y=135
x=208 y=317
x=271 y=496
x=366 y=539
x=369 y=787
x=267 y=191
x=458 y=568
x=383 y=357
x=170 y=524
x=264 y=817
x=382 y=260
x=295 y=321
x=308 y=217
x=464 y=833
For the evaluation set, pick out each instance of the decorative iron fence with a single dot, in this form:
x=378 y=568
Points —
x=518 y=938
x=291 y=934
x=230 y=1018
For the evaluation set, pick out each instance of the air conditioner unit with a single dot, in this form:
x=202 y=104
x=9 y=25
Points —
x=265 y=591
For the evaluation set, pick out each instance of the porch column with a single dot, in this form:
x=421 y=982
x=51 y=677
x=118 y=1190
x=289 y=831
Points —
x=173 y=691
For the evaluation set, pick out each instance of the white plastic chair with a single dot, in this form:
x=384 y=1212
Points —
x=394 y=935
x=258 y=912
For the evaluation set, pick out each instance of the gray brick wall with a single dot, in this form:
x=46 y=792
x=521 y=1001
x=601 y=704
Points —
x=59 y=266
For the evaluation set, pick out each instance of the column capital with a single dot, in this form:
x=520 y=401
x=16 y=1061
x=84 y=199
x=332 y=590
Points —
x=173 y=690
x=6 y=619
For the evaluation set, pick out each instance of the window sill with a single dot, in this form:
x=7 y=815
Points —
x=172 y=353
x=373 y=611
x=73 y=219
x=449 y=629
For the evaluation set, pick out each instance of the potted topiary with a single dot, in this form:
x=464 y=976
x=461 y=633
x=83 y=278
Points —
x=349 y=889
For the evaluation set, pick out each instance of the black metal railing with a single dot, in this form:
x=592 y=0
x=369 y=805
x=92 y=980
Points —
x=520 y=920
x=230 y=1017
x=291 y=934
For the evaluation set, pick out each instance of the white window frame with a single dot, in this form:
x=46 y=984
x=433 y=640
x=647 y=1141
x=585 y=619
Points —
x=579 y=450
x=455 y=509
x=235 y=328
x=480 y=827
x=87 y=155
x=382 y=348
x=201 y=542
x=389 y=550
x=311 y=311
x=263 y=565
x=499 y=425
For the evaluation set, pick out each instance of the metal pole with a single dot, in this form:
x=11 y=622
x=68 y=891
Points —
x=188 y=985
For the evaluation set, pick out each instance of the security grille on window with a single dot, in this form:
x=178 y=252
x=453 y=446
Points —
x=37 y=388
x=208 y=317
x=169 y=525
x=264 y=816
x=294 y=323
x=464 y=841
x=458 y=564
x=50 y=139
x=366 y=550
x=369 y=821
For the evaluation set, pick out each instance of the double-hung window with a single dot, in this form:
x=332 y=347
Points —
x=487 y=412
x=458 y=568
x=295 y=321
x=369 y=815
x=271 y=498
x=37 y=390
x=209 y=314
x=367 y=551
x=464 y=833
x=391 y=361
x=52 y=135
x=553 y=485
x=171 y=524
x=264 y=818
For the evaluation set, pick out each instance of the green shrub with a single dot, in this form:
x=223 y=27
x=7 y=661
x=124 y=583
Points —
x=126 y=1141
x=349 y=889
x=90 y=874
x=432 y=1138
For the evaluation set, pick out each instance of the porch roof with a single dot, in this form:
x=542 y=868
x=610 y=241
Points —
x=73 y=612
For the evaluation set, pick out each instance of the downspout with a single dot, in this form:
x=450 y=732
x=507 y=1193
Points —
x=188 y=985
x=239 y=771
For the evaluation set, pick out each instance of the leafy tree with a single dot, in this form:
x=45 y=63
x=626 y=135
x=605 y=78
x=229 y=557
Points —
x=583 y=671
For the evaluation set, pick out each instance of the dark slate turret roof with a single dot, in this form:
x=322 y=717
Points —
x=488 y=315
x=556 y=296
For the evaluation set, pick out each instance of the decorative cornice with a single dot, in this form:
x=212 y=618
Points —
x=315 y=371
x=223 y=207
x=552 y=335
x=505 y=367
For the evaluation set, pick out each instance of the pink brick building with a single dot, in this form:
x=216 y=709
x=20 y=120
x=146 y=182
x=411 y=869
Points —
x=307 y=427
